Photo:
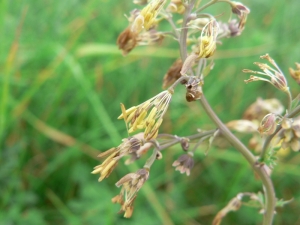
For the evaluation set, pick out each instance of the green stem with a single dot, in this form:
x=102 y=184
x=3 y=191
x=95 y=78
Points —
x=269 y=189
x=184 y=30
x=290 y=99
x=209 y=4
x=182 y=78
x=177 y=139
x=151 y=160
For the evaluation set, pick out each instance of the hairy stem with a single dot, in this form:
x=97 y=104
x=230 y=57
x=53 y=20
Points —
x=269 y=189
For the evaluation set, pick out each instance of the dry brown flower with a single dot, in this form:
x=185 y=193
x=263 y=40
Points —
x=184 y=163
x=173 y=73
x=127 y=40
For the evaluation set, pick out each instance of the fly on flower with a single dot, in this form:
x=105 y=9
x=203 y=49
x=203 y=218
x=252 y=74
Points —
x=147 y=116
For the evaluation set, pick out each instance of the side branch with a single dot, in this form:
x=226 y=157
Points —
x=269 y=189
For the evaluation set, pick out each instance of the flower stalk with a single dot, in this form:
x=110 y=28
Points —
x=267 y=183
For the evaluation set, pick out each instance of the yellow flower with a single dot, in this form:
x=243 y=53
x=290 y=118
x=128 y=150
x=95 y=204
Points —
x=208 y=40
x=147 y=17
x=148 y=115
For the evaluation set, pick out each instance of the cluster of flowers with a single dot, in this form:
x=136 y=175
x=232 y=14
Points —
x=200 y=33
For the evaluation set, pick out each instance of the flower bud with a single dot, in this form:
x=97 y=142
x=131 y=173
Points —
x=268 y=124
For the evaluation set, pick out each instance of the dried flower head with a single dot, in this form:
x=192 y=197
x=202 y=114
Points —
x=277 y=78
x=208 y=40
x=135 y=155
x=184 y=163
x=127 y=40
x=289 y=135
x=268 y=124
x=193 y=89
x=129 y=145
x=131 y=184
x=173 y=73
x=295 y=74
x=148 y=115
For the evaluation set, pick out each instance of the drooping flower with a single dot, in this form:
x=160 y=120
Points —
x=242 y=11
x=131 y=184
x=148 y=115
x=129 y=145
x=277 y=78
x=184 y=163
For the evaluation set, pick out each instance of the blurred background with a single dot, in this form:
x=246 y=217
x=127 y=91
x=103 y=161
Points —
x=62 y=80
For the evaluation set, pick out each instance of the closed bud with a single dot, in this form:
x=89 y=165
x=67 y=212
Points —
x=268 y=124
x=185 y=143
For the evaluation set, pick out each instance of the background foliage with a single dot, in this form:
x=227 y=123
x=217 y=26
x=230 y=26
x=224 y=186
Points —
x=62 y=80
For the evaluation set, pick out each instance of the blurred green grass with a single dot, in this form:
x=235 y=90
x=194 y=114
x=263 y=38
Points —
x=62 y=80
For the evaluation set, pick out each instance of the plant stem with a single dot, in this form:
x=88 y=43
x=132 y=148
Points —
x=184 y=30
x=269 y=189
x=177 y=139
x=209 y=4
x=290 y=99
